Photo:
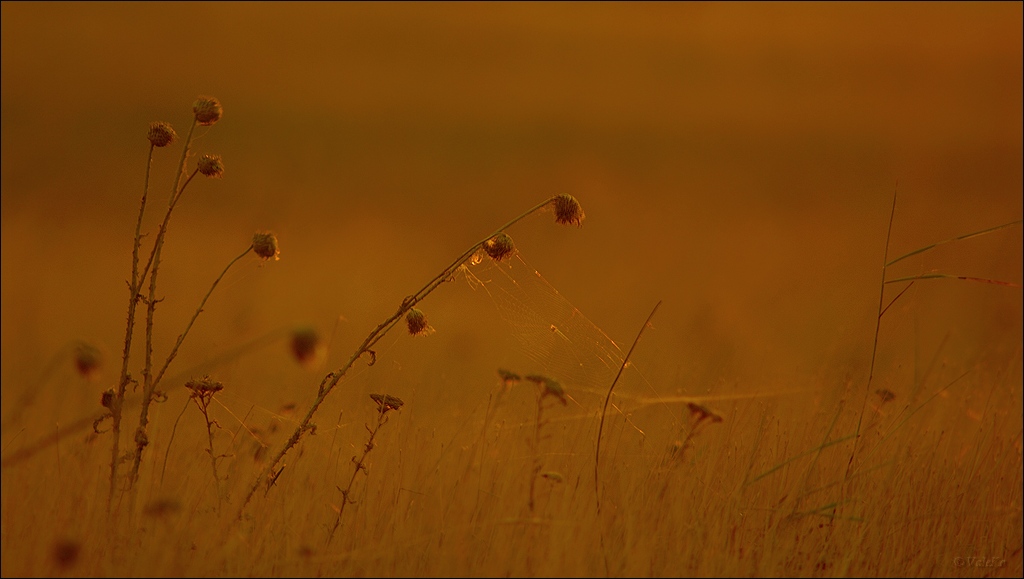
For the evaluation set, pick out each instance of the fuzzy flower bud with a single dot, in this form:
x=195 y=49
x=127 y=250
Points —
x=499 y=247
x=161 y=134
x=417 y=323
x=211 y=166
x=264 y=244
x=207 y=110
x=568 y=210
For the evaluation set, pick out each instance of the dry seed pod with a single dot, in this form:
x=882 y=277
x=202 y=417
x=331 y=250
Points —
x=264 y=244
x=161 y=134
x=387 y=402
x=551 y=387
x=703 y=412
x=204 y=386
x=207 y=110
x=499 y=247
x=211 y=166
x=417 y=323
x=568 y=210
x=107 y=399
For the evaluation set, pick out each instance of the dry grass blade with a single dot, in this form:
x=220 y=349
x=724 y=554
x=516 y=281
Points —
x=952 y=239
x=608 y=397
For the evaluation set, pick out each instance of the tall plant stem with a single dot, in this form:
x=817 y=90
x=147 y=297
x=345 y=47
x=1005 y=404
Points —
x=331 y=380
x=608 y=397
x=133 y=300
x=150 y=387
x=136 y=284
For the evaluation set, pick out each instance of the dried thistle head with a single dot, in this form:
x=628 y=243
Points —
x=549 y=387
x=508 y=378
x=203 y=390
x=305 y=344
x=107 y=399
x=568 y=210
x=87 y=360
x=417 y=323
x=499 y=247
x=264 y=244
x=211 y=166
x=207 y=110
x=386 y=402
x=703 y=412
x=161 y=134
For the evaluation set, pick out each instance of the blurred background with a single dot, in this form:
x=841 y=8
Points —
x=736 y=160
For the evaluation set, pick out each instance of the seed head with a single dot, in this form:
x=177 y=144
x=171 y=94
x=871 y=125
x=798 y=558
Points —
x=305 y=343
x=568 y=210
x=204 y=386
x=387 y=402
x=499 y=247
x=703 y=412
x=207 y=110
x=417 y=323
x=550 y=387
x=508 y=377
x=161 y=134
x=107 y=399
x=87 y=360
x=211 y=166
x=264 y=244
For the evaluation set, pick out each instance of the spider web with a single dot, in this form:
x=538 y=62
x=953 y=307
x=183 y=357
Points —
x=555 y=335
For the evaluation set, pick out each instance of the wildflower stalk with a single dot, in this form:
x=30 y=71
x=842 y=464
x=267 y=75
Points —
x=202 y=392
x=207 y=111
x=150 y=387
x=384 y=403
x=567 y=210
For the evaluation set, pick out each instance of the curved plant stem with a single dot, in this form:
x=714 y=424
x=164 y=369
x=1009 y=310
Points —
x=608 y=397
x=332 y=379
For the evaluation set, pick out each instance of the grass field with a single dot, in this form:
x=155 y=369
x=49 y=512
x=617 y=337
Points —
x=824 y=199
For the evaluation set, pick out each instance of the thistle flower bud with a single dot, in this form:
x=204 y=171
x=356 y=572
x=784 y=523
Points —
x=568 y=210
x=264 y=244
x=211 y=166
x=161 y=134
x=107 y=399
x=417 y=323
x=207 y=110
x=499 y=247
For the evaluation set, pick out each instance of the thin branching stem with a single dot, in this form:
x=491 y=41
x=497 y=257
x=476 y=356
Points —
x=150 y=387
x=365 y=348
x=137 y=281
x=359 y=465
x=133 y=300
